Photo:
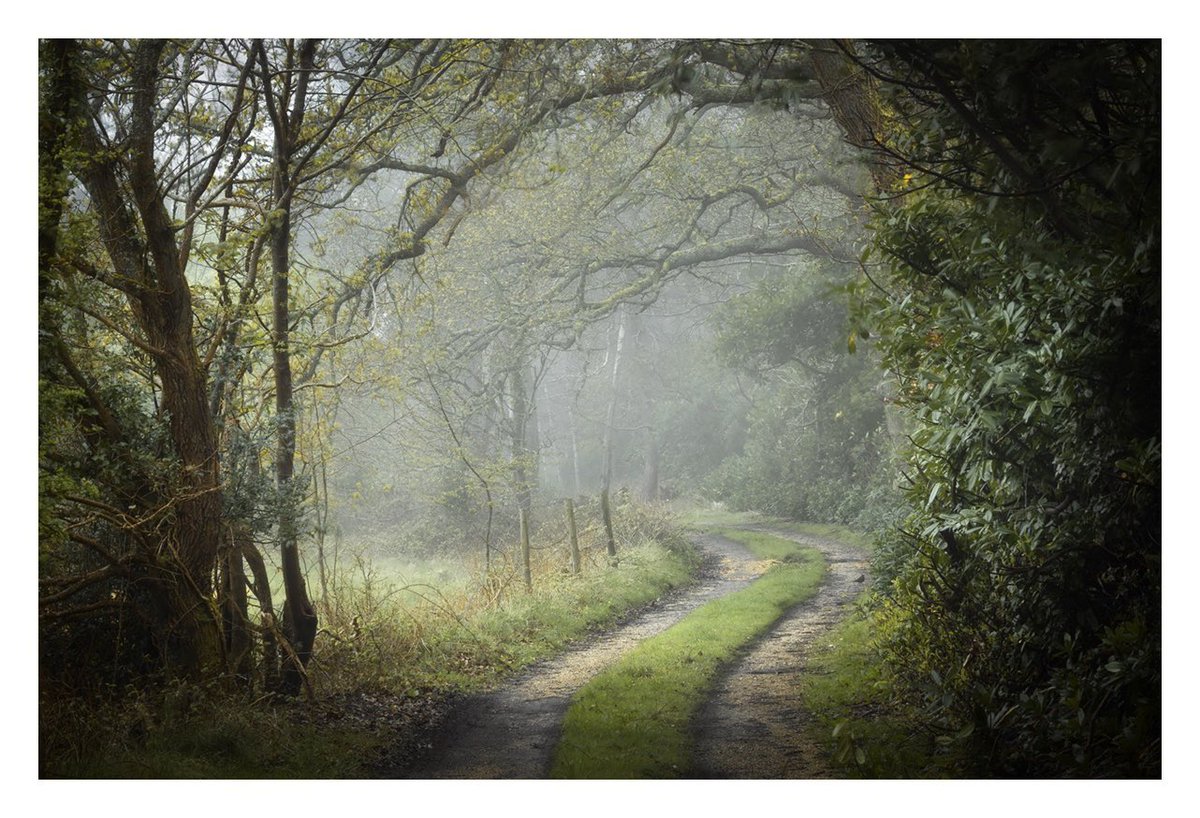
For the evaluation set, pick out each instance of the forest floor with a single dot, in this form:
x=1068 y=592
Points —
x=512 y=731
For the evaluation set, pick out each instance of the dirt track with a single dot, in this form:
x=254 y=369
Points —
x=753 y=725
x=511 y=732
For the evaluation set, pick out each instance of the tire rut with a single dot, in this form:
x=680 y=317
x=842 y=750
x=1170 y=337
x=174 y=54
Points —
x=511 y=732
x=754 y=724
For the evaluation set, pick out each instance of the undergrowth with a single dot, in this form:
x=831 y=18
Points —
x=183 y=730
x=381 y=632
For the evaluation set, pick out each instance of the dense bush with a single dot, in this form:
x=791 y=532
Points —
x=1021 y=319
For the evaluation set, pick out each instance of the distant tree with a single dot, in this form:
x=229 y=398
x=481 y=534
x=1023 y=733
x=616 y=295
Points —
x=817 y=445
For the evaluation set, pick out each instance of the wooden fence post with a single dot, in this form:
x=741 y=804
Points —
x=525 y=550
x=574 y=535
x=608 y=531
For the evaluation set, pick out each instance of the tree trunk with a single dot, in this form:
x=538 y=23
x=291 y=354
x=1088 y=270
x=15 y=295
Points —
x=576 y=483
x=853 y=99
x=322 y=503
x=519 y=439
x=611 y=413
x=533 y=435
x=287 y=116
x=270 y=625
x=299 y=617
x=235 y=607
x=606 y=516
x=525 y=555
x=147 y=267
x=55 y=114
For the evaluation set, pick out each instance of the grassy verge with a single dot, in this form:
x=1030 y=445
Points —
x=418 y=639
x=632 y=721
x=868 y=732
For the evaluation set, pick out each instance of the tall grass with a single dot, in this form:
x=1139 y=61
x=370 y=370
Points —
x=416 y=636
x=405 y=633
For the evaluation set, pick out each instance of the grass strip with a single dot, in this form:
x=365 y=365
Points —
x=721 y=520
x=827 y=531
x=632 y=721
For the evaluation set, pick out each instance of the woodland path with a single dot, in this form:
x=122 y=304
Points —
x=511 y=732
x=756 y=699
